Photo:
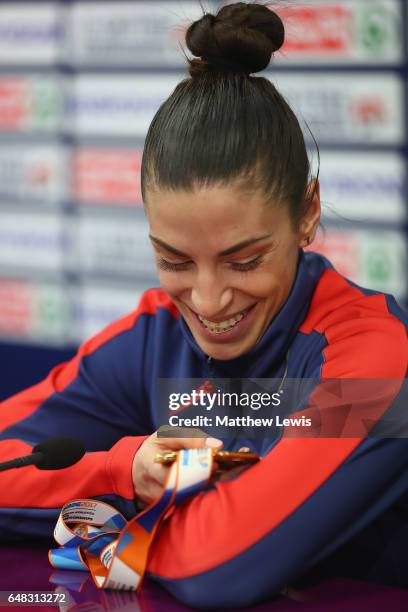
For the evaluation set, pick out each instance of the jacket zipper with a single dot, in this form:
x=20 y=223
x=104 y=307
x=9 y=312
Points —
x=210 y=366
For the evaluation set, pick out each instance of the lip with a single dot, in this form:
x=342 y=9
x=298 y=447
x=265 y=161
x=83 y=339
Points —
x=226 y=318
x=239 y=329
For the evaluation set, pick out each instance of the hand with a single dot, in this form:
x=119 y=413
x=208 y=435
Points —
x=148 y=476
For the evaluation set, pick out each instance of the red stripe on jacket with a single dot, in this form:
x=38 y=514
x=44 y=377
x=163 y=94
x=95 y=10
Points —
x=22 y=405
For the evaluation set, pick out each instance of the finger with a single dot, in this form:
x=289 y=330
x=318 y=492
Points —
x=176 y=438
x=179 y=443
x=171 y=431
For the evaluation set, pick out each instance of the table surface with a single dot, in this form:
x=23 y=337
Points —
x=26 y=568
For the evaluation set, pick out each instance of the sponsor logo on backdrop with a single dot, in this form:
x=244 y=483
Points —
x=317 y=30
x=15 y=307
x=52 y=314
x=46 y=103
x=384 y=262
x=29 y=103
x=346 y=107
x=32 y=241
x=115 y=245
x=365 y=186
x=29 y=34
x=14 y=111
x=136 y=34
x=342 y=31
x=31 y=173
x=117 y=105
x=33 y=311
x=107 y=176
x=373 y=259
x=379 y=28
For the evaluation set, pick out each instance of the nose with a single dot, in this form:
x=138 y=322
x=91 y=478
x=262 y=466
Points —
x=210 y=297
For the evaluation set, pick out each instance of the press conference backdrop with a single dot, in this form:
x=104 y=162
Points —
x=79 y=85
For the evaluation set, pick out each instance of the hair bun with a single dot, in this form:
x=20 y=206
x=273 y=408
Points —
x=241 y=37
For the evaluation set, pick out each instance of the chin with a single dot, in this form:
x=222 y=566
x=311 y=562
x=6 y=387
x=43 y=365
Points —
x=222 y=352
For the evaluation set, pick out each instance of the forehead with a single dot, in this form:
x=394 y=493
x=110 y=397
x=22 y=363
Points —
x=218 y=215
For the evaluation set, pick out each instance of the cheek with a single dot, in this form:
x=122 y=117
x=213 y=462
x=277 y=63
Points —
x=262 y=287
x=173 y=283
x=275 y=279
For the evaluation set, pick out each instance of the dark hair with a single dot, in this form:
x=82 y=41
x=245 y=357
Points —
x=222 y=124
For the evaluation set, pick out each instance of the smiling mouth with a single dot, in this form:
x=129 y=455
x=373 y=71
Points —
x=221 y=327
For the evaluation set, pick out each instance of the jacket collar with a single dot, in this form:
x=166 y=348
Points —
x=269 y=353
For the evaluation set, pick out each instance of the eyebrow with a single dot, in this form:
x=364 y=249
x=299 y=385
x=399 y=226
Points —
x=229 y=251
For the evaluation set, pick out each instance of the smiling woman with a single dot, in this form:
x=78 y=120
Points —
x=225 y=164
x=230 y=204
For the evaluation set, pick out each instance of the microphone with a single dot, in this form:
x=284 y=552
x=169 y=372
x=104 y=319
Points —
x=53 y=454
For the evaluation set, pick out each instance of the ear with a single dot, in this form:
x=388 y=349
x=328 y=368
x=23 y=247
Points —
x=310 y=221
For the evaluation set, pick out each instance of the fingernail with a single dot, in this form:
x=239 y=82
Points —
x=213 y=442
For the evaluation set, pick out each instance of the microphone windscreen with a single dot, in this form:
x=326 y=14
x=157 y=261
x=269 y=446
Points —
x=59 y=453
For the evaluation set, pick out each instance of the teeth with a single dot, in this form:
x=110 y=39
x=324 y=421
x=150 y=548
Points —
x=222 y=326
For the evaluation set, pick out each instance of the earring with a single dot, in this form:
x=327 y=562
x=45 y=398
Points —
x=307 y=241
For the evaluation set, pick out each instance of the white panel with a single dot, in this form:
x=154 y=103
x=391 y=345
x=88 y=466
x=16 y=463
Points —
x=32 y=241
x=120 y=105
x=30 y=33
x=347 y=107
x=30 y=172
x=115 y=245
x=97 y=306
x=131 y=33
x=363 y=186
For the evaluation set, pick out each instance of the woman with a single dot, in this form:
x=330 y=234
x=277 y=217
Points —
x=230 y=206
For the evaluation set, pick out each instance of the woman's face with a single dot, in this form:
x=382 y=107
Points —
x=227 y=260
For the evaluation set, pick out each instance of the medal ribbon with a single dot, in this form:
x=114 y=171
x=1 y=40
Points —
x=93 y=535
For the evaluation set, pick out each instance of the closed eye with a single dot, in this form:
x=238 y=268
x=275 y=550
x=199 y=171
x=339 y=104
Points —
x=246 y=266
x=169 y=266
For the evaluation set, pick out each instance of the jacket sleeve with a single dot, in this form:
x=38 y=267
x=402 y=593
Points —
x=97 y=397
x=248 y=538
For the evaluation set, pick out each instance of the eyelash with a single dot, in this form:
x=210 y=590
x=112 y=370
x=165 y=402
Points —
x=167 y=266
